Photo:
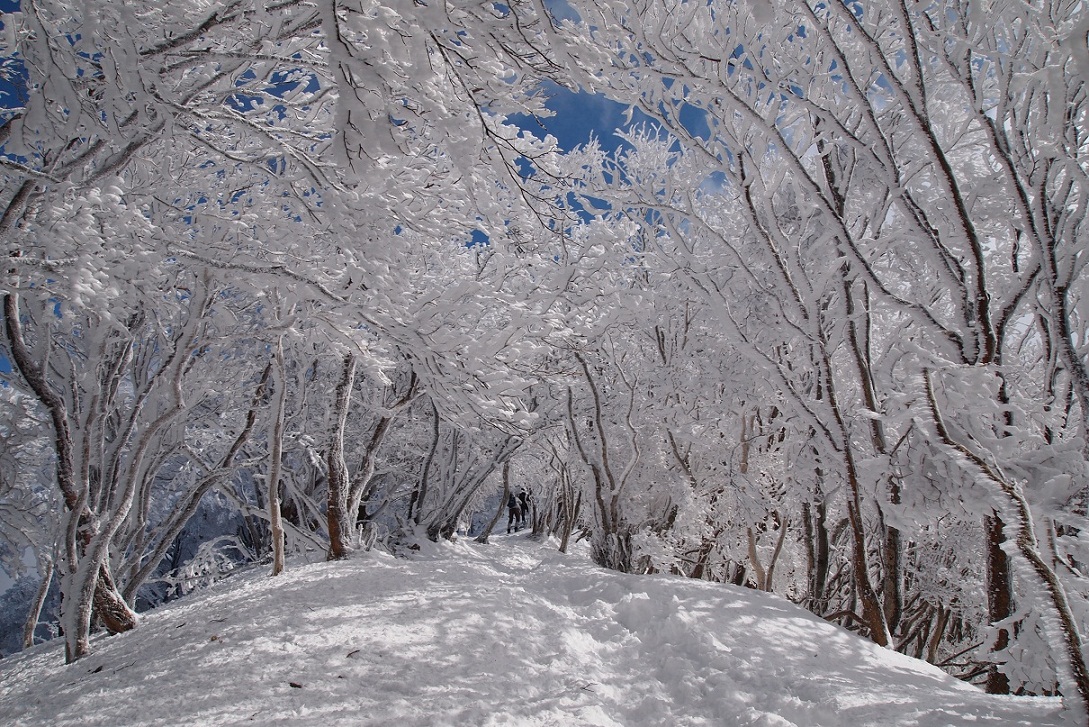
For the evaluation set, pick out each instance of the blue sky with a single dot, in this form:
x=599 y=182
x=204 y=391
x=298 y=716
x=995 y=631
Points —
x=11 y=69
x=579 y=116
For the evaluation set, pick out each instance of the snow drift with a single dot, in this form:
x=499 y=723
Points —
x=513 y=633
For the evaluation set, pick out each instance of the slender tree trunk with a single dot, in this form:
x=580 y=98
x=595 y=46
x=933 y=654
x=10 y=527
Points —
x=420 y=496
x=941 y=622
x=361 y=487
x=892 y=598
x=765 y=577
x=892 y=601
x=999 y=596
x=337 y=504
x=571 y=504
x=276 y=446
x=611 y=546
x=707 y=546
x=818 y=554
x=999 y=578
x=783 y=525
x=754 y=560
x=872 y=612
x=35 y=612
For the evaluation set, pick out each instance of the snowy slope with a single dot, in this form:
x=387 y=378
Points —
x=508 y=634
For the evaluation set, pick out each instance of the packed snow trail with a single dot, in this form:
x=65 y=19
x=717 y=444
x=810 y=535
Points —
x=513 y=634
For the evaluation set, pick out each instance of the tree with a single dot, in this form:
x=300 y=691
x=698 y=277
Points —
x=226 y=135
x=876 y=162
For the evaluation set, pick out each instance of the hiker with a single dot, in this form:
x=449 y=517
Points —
x=523 y=502
x=514 y=513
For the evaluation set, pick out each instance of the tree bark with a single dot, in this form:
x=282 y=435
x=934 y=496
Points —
x=109 y=606
x=999 y=596
x=817 y=554
x=276 y=446
x=783 y=524
x=36 y=606
x=337 y=503
x=420 y=496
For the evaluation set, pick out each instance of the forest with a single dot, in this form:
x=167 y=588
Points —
x=310 y=277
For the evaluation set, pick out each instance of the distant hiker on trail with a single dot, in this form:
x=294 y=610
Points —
x=514 y=513
x=523 y=502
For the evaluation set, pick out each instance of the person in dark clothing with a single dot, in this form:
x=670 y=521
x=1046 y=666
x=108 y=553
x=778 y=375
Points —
x=514 y=513
x=523 y=503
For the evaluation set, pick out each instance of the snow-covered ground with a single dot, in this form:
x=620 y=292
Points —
x=509 y=634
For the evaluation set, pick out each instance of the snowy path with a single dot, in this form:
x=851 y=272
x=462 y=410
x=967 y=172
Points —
x=512 y=634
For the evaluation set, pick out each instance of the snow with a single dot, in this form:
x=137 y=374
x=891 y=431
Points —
x=511 y=634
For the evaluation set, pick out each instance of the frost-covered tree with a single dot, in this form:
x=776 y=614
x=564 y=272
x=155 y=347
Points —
x=817 y=326
x=306 y=148
x=882 y=204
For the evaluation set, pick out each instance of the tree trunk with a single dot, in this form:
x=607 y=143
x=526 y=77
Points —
x=276 y=445
x=872 y=613
x=35 y=612
x=765 y=577
x=420 y=496
x=337 y=503
x=892 y=599
x=361 y=488
x=754 y=561
x=109 y=606
x=818 y=554
x=783 y=525
x=80 y=531
x=707 y=546
x=571 y=505
x=999 y=596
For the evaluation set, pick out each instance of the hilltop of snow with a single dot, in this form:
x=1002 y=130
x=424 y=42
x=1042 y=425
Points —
x=508 y=634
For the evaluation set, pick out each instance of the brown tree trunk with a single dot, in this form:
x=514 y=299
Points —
x=109 y=606
x=999 y=596
x=892 y=599
x=872 y=613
